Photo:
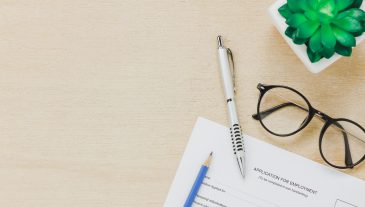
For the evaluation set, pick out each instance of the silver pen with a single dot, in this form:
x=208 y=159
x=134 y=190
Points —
x=228 y=76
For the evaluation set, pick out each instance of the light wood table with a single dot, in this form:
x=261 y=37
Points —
x=99 y=97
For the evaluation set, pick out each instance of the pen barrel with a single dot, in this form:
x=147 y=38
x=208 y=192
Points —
x=232 y=112
x=195 y=189
x=226 y=73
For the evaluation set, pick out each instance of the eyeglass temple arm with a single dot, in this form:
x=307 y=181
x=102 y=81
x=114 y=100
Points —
x=267 y=112
x=264 y=114
x=348 y=157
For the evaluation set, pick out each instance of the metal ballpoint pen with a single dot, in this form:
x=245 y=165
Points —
x=228 y=76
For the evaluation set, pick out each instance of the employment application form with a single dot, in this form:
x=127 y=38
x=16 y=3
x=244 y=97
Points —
x=274 y=178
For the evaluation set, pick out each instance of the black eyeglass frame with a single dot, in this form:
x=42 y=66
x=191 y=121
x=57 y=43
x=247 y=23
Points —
x=263 y=88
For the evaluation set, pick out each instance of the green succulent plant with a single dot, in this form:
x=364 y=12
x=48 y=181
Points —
x=326 y=27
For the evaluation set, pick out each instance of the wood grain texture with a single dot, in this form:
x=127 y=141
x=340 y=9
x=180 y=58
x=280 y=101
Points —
x=99 y=97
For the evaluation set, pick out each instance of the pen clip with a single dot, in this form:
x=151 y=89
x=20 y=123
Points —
x=233 y=70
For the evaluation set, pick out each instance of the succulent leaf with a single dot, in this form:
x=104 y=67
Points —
x=357 y=34
x=343 y=37
x=328 y=39
x=313 y=56
x=312 y=15
x=298 y=5
x=348 y=24
x=343 y=4
x=290 y=31
x=296 y=20
x=297 y=40
x=285 y=11
x=342 y=50
x=314 y=4
x=315 y=42
x=307 y=29
x=354 y=13
x=327 y=52
x=357 y=4
x=327 y=7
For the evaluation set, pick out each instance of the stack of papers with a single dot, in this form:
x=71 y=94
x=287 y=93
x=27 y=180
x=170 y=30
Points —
x=275 y=177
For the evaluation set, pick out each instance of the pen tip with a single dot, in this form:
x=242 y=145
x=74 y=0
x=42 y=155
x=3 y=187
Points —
x=211 y=153
x=241 y=166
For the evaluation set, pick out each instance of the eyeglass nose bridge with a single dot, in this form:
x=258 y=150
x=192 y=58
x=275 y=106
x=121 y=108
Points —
x=321 y=115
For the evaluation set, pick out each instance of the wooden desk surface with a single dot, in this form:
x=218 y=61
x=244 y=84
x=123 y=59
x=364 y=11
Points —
x=99 y=97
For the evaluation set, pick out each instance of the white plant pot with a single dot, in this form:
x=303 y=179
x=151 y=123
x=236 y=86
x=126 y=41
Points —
x=301 y=50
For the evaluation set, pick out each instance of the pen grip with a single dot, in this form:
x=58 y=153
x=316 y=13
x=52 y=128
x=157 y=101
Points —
x=237 y=138
x=195 y=189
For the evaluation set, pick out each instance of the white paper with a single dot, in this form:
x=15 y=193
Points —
x=275 y=177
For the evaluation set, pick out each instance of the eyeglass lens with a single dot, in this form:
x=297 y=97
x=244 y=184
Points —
x=343 y=144
x=283 y=111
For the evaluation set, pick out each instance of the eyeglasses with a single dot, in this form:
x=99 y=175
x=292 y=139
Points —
x=283 y=111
